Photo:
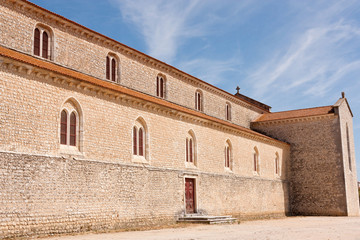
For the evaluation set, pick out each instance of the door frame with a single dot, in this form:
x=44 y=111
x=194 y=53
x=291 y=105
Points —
x=195 y=192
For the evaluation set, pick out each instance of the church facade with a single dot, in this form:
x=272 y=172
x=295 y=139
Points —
x=95 y=135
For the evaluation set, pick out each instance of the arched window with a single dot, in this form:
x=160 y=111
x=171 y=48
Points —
x=228 y=155
x=228 y=111
x=63 y=130
x=42 y=42
x=256 y=164
x=140 y=139
x=277 y=164
x=198 y=101
x=68 y=132
x=348 y=146
x=190 y=156
x=160 y=86
x=112 y=68
x=70 y=124
x=37 y=42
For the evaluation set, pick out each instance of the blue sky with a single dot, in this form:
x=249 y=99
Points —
x=288 y=54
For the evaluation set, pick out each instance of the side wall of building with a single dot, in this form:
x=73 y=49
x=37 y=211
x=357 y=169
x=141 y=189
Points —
x=316 y=166
x=86 y=54
x=348 y=156
x=43 y=195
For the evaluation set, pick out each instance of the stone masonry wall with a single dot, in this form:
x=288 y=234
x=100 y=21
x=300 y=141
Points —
x=352 y=196
x=75 y=51
x=42 y=195
x=316 y=171
x=30 y=123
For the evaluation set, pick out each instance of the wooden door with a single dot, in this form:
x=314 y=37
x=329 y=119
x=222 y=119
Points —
x=190 y=195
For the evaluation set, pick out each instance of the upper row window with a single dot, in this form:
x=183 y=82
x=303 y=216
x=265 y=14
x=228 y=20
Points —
x=111 y=68
x=160 y=86
x=42 y=42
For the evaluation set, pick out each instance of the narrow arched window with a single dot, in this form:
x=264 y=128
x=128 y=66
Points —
x=134 y=141
x=198 y=101
x=190 y=149
x=45 y=45
x=63 y=128
x=228 y=112
x=160 y=87
x=37 y=42
x=141 y=142
x=348 y=146
x=43 y=42
x=256 y=161
x=72 y=129
x=111 y=67
x=107 y=67
x=227 y=157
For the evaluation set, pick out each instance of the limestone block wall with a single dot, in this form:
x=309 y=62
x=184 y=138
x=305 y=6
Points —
x=348 y=156
x=85 y=53
x=316 y=168
x=43 y=195
x=30 y=116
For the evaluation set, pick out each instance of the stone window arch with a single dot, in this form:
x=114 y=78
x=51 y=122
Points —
x=190 y=149
x=228 y=155
x=256 y=161
x=140 y=141
x=228 y=111
x=43 y=42
x=161 y=86
x=71 y=127
x=112 y=68
x=199 y=100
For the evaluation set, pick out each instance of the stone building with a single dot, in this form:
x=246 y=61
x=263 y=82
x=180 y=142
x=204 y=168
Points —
x=95 y=135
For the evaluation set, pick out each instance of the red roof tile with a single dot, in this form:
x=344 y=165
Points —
x=295 y=114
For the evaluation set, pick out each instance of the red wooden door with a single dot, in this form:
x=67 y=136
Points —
x=190 y=195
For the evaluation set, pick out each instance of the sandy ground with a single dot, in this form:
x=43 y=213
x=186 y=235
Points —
x=289 y=228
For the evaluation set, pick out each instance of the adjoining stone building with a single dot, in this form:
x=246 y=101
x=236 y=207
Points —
x=96 y=135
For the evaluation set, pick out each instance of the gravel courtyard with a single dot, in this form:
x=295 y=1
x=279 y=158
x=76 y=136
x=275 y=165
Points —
x=289 y=228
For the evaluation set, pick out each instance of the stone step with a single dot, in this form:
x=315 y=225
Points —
x=207 y=219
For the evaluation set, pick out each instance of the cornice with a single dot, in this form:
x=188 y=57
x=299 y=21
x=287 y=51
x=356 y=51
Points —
x=115 y=46
x=295 y=120
x=42 y=69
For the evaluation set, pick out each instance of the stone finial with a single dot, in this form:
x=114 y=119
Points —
x=237 y=90
x=342 y=94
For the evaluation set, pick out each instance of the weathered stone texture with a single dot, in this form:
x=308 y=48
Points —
x=350 y=176
x=49 y=195
x=316 y=169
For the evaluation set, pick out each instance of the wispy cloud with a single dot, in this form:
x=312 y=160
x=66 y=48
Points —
x=313 y=63
x=167 y=25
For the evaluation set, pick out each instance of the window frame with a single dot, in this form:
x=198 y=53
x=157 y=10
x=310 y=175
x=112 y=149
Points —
x=199 y=101
x=112 y=68
x=39 y=48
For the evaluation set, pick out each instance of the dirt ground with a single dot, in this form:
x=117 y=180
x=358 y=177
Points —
x=347 y=228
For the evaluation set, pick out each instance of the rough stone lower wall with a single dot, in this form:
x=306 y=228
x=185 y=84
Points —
x=42 y=195
x=316 y=171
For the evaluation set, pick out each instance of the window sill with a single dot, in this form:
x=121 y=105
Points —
x=228 y=170
x=256 y=174
x=139 y=159
x=70 y=151
x=190 y=165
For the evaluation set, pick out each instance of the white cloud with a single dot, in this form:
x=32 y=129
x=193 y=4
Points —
x=313 y=63
x=166 y=25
